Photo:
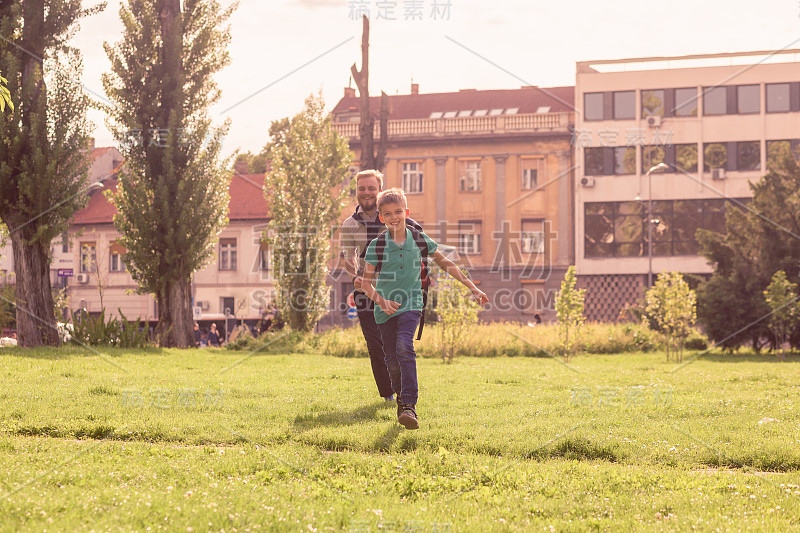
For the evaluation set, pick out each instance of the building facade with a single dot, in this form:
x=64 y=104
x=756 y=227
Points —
x=664 y=145
x=489 y=173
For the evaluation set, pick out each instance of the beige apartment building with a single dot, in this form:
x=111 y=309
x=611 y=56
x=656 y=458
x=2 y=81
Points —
x=490 y=174
x=236 y=283
x=706 y=126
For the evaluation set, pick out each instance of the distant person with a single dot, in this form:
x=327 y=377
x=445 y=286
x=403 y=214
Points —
x=357 y=232
x=395 y=258
x=537 y=319
x=198 y=335
x=213 y=336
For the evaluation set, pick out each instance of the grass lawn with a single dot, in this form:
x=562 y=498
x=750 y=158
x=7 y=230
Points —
x=200 y=440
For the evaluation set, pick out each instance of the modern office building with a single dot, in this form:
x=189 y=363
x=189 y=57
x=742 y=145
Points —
x=663 y=145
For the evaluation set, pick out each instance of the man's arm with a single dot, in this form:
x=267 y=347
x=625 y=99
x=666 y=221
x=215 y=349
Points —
x=451 y=268
x=389 y=307
x=348 y=252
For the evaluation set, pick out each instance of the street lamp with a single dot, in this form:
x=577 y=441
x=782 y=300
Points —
x=650 y=220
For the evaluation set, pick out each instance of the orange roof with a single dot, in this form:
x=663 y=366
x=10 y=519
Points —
x=525 y=100
x=97 y=152
x=247 y=201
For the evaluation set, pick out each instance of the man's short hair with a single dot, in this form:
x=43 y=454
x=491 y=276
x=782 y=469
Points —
x=371 y=174
x=392 y=196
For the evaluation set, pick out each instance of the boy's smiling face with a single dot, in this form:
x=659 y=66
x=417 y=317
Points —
x=393 y=215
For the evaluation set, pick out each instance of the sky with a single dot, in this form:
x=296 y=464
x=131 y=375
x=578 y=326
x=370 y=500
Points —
x=284 y=50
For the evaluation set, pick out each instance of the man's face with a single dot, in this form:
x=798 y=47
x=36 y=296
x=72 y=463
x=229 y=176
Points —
x=393 y=215
x=367 y=192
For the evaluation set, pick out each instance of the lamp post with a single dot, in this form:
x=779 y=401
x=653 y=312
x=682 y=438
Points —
x=650 y=221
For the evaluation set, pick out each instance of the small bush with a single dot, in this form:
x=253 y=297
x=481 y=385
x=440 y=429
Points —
x=96 y=331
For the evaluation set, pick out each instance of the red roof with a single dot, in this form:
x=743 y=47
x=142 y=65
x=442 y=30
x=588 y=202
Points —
x=97 y=152
x=526 y=100
x=247 y=201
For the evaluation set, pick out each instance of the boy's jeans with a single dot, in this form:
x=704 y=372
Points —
x=401 y=359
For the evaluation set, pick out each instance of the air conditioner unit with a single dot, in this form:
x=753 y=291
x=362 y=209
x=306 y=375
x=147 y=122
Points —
x=587 y=182
x=83 y=278
x=204 y=305
x=654 y=121
x=717 y=173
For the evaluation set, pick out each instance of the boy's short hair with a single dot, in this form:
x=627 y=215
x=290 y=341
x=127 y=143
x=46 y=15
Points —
x=392 y=196
x=370 y=174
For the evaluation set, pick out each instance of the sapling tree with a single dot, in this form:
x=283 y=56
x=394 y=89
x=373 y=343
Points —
x=781 y=297
x=569 y=311
x=672 y=305
x=458 y=313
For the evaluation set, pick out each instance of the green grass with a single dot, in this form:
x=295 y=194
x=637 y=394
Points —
x=219 y=440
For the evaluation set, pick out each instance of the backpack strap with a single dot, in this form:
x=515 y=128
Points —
x=422 y=244
x=380 y=246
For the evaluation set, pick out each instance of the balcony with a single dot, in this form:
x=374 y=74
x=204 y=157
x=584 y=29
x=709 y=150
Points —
x=466 y=126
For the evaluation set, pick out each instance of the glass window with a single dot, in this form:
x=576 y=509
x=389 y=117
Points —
x=687 y=219
x=470 y=175
x=469 y=237
x=653 y=103
x=686 y=102
x=624 y=105
x=778 y=98
x=715 y=155
x=748 y=155
x=593 y=161
x=748 y=99
x=532 y=237
x=412 y=177
x=715 y=101
x=64 y=243
x=531 y=168
x=625 y=160
x=714 y=215
x=599 y=229
x=593 y=106
x=227 y=254
x=651 y=156
x=686 y=157
x=116 y=262
x=88 y=257
x=263 y=257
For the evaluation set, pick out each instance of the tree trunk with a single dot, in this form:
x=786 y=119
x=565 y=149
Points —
x=175 y=316
x=36 y=323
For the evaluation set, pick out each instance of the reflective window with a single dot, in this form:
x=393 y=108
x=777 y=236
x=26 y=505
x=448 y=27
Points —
x=651 y=156
x=593 y=106
x=624 y=105
x=686 y=157
x=715 y=155
x=625 y=160
x=748 y=155
x=715 y=101
x=653 y=103
x=778 y=98
x=686 y=102
x=748 y=99
x=593 y=161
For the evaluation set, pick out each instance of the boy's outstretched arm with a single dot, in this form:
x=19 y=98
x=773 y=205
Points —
x=389 y=307
x=451 y=268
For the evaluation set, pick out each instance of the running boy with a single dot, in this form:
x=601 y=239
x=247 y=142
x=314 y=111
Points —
x=398 y=297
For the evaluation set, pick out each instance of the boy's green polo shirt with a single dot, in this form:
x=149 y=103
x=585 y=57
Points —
x=399 y=278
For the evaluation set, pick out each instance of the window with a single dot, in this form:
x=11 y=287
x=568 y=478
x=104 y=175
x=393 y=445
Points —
x=88 y=257
x=686 y=102
x=593 y=106
x=776 y=150
x=227 y=254
x=715 y=101
x=469 y=237
x=624 y=105
x=226 y=303
x=599 y=229
x=116 y=258
x=532 y=237
x=470 y=175
x=748 y=155
x=686 y=157
x=530 y=172
x=715 y=155
x=64 y=243
x=651 y=156
x=412 y=177
x=778 y=95
x=625 y=160
x=263 y=258
x=653 y=103
x=748 y=99
x=593 y=164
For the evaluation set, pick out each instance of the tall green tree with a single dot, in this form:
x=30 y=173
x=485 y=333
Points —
x=759 y=241
x=309 y=164
x=172 y=197
x=5 y=95
x=43 y=147
x=781 y=297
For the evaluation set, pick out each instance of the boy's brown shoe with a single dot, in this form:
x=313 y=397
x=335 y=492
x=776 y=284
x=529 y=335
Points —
x=407 y=417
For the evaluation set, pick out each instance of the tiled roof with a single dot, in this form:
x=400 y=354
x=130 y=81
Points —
x=98 y=152
x=247 y=201
x=525 y=100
